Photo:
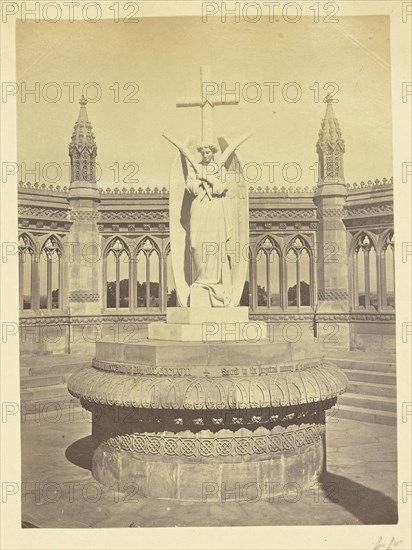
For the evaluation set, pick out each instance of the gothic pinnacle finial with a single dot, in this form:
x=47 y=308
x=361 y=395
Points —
x=330 y=145
x=82 y=148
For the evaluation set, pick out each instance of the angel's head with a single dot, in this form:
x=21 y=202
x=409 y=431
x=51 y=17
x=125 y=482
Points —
x=207 y=151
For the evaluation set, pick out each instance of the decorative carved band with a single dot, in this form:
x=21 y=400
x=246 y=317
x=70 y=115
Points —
x=372 y=317
x=43 y=212
x=281 y=317
x=218 y=446
x=137 y=215
x=274 y=214
x=133 y=191
x=369 y=183
x=91 y=320
x=309 y=385
x=333 y=294
x=356 y=211
x=34 y=224
x=283 y=190
x=84 y=296
x=330 y=213
x=84 y=215
x=43 y=188
x=139 y=369
x=153 y=191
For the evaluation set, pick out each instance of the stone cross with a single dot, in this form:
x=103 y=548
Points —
x=206 y=104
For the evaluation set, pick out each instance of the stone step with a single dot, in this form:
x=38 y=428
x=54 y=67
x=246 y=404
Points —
x=54 y=392
x=371 y=376
x=27 y=371
x=65 y=368
x=48 y=410
x=366 y=415
x=41 y=381
x=368 y=402
x=359 y=364
x=370 y=388
x=51 y=364
x=380 y=356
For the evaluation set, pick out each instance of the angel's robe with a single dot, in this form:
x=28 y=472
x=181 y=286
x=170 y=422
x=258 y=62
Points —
x=211 y=232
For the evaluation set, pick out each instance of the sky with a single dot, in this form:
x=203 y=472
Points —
x=160 y=58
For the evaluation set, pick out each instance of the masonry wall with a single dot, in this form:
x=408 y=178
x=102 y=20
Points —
x=278 y=217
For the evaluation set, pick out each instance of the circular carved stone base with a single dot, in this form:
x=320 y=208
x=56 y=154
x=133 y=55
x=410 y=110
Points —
x=207 y=422
x=236 y=464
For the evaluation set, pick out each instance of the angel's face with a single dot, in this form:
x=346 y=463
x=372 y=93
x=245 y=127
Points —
x=207 y=155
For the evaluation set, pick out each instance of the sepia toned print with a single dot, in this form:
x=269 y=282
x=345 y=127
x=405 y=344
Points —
x=206 y=271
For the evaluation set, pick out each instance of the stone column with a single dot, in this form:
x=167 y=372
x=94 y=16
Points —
x=85 y=254
x=85 y=260
x=332 y=255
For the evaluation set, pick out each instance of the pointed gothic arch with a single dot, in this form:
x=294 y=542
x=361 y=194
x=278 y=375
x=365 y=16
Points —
x=50 y=273
x=116 y=265
x=27 y=259
x=268 y=273
x=387 y=268
x=361 y=233
x=148 y=275
x=110 y=244
x=298 y=272
x=365 y=271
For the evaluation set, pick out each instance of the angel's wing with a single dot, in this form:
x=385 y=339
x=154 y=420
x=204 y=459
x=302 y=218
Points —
x=184 y=151
x=225 y=159
x=239 y=206
x=180 y=202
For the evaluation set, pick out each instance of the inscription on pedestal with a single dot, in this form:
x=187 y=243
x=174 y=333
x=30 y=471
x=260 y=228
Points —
x=212 y=370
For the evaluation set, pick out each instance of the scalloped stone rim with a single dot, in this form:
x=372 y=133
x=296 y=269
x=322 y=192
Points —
x=315 y=383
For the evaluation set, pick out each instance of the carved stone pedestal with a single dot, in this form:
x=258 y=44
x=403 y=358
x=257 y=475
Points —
x=207 y=421
x=207 y=324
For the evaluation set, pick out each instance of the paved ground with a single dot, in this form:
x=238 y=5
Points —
x=359 y=488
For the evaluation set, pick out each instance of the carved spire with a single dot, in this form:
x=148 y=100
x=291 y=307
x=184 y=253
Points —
x=82 y=148
x=330 y=147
